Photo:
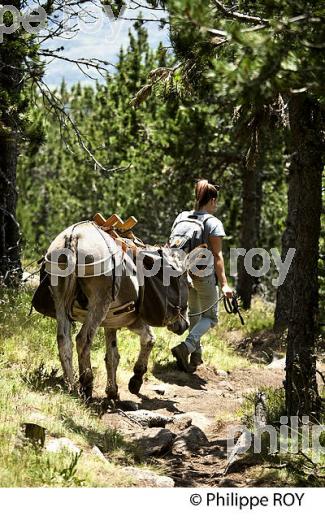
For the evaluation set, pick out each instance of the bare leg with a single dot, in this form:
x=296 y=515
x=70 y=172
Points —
x=112 y=359
x=147 y=341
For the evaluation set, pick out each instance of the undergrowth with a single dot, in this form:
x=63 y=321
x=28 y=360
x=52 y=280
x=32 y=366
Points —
x=32 y=389
x=297 y=457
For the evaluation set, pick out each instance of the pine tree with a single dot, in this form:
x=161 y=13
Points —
x=262 y=54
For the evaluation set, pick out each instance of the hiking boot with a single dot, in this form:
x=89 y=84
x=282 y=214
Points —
x=181 y=354
x=195 y=360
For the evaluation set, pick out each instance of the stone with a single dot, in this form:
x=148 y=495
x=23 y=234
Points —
x=56 y=445
x=180 y=423
x=226 y=385
x=154 y=441
x=38 y=418
x=149 y=419
x=189 y=440
x=277 y=363
x=200 y=420
x=145 y=478
x=222 y=373
x=96 y=451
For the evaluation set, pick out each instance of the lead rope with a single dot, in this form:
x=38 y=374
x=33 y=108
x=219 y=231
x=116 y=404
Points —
x=206 y=310
x=232 y=307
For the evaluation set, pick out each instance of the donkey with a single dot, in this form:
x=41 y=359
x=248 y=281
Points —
x=92 y=280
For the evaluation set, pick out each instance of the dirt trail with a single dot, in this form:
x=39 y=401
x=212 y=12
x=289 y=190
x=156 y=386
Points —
x=211 y=399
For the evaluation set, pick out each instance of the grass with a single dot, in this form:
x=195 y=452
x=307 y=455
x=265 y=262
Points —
x=218 y=349
x=258 y=318
x=31 y=389
x=295 y=465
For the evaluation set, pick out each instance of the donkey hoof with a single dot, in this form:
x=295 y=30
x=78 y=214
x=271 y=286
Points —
x=72 y=387
x=135 y=384
x=112 y=395
x=110 y=403
x=86 y=393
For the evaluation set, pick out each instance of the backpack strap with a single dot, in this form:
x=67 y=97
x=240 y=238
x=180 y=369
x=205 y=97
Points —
x=188 y=216
x=202 y=222
x=184 y=218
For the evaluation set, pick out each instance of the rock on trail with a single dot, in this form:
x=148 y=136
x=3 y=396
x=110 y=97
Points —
x=185 y=426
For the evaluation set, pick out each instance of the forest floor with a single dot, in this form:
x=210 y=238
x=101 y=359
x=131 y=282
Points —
x=217 y=401
x=238 y=362
x=213 y=400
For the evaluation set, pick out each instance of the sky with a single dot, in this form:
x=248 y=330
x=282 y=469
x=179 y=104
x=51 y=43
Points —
x=101 y=39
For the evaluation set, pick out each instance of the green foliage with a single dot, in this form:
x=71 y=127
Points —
x=275 y=405
x=169 y=140
x=19 y=63
x=252 y=59
x=292 y=466
x=37 y=469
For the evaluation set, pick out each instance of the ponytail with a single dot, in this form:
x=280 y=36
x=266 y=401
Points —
x=204 y=192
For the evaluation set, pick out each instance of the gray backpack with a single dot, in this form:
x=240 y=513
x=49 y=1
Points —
x=189 y=231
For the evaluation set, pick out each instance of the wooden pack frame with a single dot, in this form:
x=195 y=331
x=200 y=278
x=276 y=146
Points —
x=120 y=231
x=115 y=222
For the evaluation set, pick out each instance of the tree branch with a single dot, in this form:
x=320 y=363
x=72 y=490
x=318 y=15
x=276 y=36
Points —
x=240 y=16
x=65 y=118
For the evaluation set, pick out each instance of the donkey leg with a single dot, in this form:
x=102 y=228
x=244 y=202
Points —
x=84 y=340
x=147 y=341
x=65 y=349
x=64 y=338
x=98 y=305
x=112 y=359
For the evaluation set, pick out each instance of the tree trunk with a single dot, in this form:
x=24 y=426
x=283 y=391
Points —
x=252 y=187
x=10 y=267
x=251 y=210
x=284 y=292
x=302 y=396
x=11 y=79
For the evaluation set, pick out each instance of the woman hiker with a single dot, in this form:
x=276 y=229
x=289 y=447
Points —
x=191 y=229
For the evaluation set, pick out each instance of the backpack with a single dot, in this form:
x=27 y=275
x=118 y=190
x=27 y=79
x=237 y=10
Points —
x=189 y=231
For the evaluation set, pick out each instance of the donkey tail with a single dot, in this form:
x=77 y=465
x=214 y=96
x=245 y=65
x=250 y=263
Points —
x=61 y=264
x=70 y=281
